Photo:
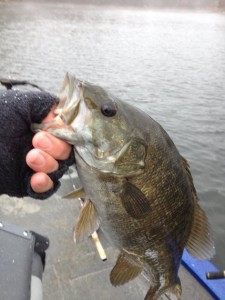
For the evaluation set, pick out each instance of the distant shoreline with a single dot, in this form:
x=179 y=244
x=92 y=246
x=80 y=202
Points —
x=124 y=4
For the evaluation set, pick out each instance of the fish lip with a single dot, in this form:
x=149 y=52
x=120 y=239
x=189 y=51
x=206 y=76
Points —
x=66 y=111
x=57 y=122
x=70 y=108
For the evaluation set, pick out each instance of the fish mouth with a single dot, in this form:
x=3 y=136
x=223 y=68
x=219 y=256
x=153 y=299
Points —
x=70 y=96
x=72 y=114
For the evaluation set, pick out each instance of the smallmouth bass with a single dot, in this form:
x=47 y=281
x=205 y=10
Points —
x=136 y=185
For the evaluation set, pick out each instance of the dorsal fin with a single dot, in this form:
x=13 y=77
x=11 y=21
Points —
x=187 y=169
x=200 y=244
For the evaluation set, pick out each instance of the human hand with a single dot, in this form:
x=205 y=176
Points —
x=43 y=159
x=20 y=174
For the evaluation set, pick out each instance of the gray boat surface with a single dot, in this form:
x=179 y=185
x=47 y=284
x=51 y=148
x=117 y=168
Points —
x=75 y=271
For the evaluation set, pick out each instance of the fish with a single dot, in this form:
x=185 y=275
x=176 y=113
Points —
x=136 y=186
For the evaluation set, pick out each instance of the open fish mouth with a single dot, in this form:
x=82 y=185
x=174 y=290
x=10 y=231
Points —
x=70 y=95
x=72 y=114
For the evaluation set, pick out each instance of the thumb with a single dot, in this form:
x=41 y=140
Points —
x=41 y=104
x=19 y=109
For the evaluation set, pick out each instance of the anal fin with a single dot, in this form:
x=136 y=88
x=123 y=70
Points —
x=126 y=268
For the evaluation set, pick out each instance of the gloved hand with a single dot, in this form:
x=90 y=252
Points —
x=19 y=109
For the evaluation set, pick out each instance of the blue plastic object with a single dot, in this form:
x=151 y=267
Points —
x=198 y=269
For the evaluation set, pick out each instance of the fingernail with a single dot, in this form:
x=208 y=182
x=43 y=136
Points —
x=45 y=143
x=39 y=160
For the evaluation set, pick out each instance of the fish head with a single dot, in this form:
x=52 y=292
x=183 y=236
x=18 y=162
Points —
x=99 y=126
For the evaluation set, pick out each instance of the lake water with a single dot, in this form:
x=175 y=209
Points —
x=171 y=64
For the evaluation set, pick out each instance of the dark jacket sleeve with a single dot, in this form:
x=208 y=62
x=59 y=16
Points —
x=18 y=110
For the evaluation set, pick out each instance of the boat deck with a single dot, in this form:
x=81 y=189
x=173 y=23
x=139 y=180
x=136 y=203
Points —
x=76 y=271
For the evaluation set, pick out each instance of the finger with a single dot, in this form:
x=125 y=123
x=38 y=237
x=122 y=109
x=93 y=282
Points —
x=53 y=146
x=41 y=161
x=41 y=182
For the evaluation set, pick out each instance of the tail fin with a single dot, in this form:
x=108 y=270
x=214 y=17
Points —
x=175 y=290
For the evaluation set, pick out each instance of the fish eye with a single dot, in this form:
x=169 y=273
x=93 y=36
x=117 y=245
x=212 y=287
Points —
x=109 y=109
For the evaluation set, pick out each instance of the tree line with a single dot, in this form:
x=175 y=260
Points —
x=195 y=4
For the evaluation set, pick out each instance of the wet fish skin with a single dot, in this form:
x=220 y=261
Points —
x=137 y=183
x=153 y=240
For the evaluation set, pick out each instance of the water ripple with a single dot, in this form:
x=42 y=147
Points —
x=169 y=64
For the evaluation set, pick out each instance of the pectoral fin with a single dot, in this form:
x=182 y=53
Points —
x=126 y=268
x=88 y=222
x=134 y=201
x=79 y=193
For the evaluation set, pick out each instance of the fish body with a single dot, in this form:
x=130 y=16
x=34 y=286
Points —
x=136 y=185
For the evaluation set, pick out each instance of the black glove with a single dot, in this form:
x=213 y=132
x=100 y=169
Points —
x=18 y=110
